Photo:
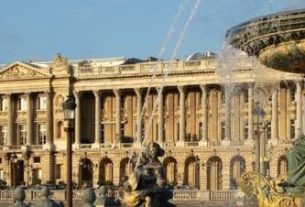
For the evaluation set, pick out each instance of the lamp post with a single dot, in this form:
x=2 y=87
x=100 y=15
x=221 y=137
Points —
x=69 y=116
x=260 y=126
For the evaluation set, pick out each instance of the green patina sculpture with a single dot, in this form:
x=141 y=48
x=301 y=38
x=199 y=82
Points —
x=101 y=198
x=19 y=197
x=296 y=163
x=45 y=200
x=89 y=197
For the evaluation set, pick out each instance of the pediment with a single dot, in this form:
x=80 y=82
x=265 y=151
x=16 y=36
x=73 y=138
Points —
x=18 y=70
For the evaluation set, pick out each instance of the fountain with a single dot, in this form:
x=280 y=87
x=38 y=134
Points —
x=278 y=41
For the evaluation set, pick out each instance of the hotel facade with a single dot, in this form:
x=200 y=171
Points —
x=209 y=138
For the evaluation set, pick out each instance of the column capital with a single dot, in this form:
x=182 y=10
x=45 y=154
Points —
x=117 y=92
x=97 y=93
x=138 y=91
x=251 y=85
x=181 y=88
x=203 y=86
x=77 y=94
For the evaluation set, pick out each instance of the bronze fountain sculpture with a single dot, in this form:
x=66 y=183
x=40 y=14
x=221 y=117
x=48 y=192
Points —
x=278 y=41
x=146 y=185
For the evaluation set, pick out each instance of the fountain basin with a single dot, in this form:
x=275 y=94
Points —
x=278 y=40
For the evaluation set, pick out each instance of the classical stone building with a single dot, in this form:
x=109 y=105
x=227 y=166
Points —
x=209 y=138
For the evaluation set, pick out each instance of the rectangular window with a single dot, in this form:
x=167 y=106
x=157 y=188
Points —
x=1 y=174
x=22 y=104
x=3 y=135
x=42 y=102
x=58 y=171
x=36 y=159
x=41 y=134
x=246 y=130
x=292 y=128
x=268 y=131
x=246 y=96
x=200 y=130
x=223 y=130
x=22 y=132
x=3 y=104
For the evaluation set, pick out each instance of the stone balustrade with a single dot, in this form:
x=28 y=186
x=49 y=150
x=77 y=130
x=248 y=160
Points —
x=178 y=195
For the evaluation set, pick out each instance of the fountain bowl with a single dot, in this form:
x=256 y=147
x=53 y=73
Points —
x=278 y=40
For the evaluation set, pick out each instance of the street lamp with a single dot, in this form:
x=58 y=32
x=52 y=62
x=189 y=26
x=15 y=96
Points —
x=69 y=116
x=260 y=125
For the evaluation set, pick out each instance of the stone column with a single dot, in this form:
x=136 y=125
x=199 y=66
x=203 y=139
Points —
x=77 y=95
x=227 y=138
x=250 y=113
x=139 y=118
x=298 y=97
x=160 y=116
x=9 y=120
x=117 y=115
x=29 y=119
x=274 y=120
x=182 y=115
x=204 y=118
x=97 y=139
x=49 y=133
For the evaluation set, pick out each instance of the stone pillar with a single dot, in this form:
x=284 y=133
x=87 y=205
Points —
x=204 y=118
x=160 y=116
x=29 y=119
x=182 y=115
x=203 y=177
x=298 y=97
x=97 y=139
x=227 y=138
x=250 y=113
x=9 y=120
x=117 y=115
x=49 y=133
x=226 y=175
x=139 y=118
x=77 y=95
x=274 y=120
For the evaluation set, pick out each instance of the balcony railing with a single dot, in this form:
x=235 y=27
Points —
x=221 y=195
x=191 y=144
x=126 y=145
x=214 y=143
x=36 y=147
x=85 y=146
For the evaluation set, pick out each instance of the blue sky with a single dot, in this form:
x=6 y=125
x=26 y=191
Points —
x=38 y=29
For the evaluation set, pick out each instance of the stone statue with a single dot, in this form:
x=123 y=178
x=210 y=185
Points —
x=89 y=197
x=45 y=200
x=19 y=197
x=146 y=186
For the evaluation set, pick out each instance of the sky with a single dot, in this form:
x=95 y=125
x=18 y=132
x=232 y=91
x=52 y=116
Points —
x=35 y=30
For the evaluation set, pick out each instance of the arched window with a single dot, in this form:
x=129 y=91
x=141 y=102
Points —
x=170 y=170
x=282 y=166
x=105 y=171
x=85 y=172
x=214 y=173
x=237 y=168
x=191 y=172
